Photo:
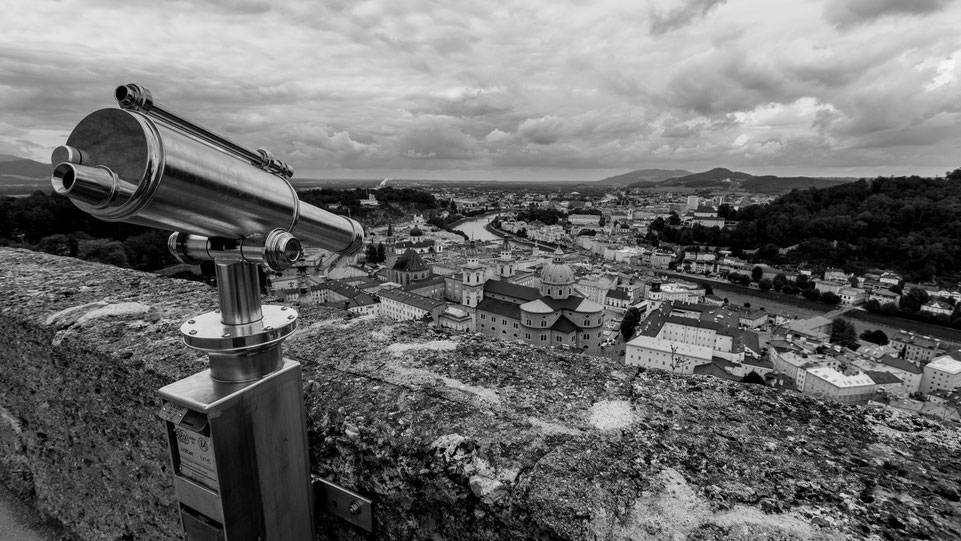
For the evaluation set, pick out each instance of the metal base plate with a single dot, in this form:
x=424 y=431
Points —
x=343 y=503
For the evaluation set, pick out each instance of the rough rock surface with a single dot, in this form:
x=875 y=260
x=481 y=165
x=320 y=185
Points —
x=456 y=437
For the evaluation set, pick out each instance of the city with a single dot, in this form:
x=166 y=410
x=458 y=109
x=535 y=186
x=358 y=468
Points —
x=523 y=270
x=570 y=284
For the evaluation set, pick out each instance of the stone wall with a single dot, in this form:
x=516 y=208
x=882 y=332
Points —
x=455 y=436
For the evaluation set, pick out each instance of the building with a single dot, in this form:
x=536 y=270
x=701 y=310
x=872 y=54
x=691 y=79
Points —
x=915 y=347
x=584 y=219
x=817 y=328
x=753 y=320
x=404 y=305
x=676 y=292
x=942 y=373
x=552 y=315
x=852 y=296
x=596 y=288
x=938 y=308
x=408 y=268
x=679 y=338
x=884 y=296
x=827 y=382
x=890 y=279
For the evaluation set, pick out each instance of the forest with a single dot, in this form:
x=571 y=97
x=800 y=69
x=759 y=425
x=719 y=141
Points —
x=51 y=223
x=910 y=225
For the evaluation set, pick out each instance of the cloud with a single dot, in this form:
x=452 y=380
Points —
x=849 y=13
x=524 y=85
x=680 y=16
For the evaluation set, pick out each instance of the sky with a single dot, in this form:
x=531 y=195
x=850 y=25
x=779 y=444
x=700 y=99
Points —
x=509 y=90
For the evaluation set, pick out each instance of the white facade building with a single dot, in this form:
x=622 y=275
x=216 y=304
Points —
x=941 y=373
x=826 y=382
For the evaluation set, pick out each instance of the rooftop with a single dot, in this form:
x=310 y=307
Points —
x=838 y=379
x=945 y=363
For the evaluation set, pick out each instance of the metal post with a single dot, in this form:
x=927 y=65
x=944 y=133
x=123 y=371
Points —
x=237 y=431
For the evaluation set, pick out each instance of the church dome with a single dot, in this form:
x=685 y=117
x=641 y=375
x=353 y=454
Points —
x=557 y=274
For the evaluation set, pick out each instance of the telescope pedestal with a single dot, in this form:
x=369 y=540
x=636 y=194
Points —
x=237 y=431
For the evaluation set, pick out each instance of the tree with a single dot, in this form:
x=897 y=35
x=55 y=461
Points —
x=875 y=337
x=754 y=377
x=106 y=251
x=381 y=252
x=844 y=333
x=765 y=284
x=812 y=294
x=674 y=219
x=756 y=273
x=708 y=290
x=371 y=253
x=59 y=245
x=914 y=299
x=829 y=298
x=853 y=280
x=632 y=318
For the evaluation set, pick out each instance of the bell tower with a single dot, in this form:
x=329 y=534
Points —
x=472 y=278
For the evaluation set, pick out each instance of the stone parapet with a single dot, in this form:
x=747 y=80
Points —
x=454 y=436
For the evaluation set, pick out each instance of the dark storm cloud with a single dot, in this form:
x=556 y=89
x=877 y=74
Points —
x=849 y=13
x=683 y=15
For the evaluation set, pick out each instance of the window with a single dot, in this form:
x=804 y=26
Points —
x=586 y=336
x=483 y=316
x=515 y=326
x=505 y=321
x=528 y=323
x=543 y=323
x=557 y=338
x=527 y=335
x=543 y=337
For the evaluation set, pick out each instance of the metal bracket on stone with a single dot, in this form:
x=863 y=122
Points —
x=346 y=504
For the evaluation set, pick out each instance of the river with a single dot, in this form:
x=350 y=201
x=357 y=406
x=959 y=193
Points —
x=474 y=228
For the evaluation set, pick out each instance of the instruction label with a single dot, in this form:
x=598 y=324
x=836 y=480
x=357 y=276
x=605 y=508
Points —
x=197 y=457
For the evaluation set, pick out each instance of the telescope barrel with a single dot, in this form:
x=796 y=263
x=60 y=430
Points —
x=122 y=165
x=134 y=97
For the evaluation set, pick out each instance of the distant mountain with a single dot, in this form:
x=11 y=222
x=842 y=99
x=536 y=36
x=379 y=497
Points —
x=20 y=176
x=720 y=177
x=643 y=176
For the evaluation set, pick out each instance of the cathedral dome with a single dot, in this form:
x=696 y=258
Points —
x=557 y=274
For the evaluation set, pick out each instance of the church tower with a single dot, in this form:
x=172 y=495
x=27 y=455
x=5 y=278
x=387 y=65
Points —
x=506 y=267
x=472 y=278
x=390 y=235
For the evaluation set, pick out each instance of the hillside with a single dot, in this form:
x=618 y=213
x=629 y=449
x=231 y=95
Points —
x=20 y=176
x=910 y=225
x=643 y=176
x=772 y=184
x=720 y=177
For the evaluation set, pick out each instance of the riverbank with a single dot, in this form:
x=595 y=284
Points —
x=862 y=320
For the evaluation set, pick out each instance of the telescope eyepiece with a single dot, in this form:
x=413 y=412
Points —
x=95 y=186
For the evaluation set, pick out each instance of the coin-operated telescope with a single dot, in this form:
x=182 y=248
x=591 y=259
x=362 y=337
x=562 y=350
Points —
x=237 y=430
